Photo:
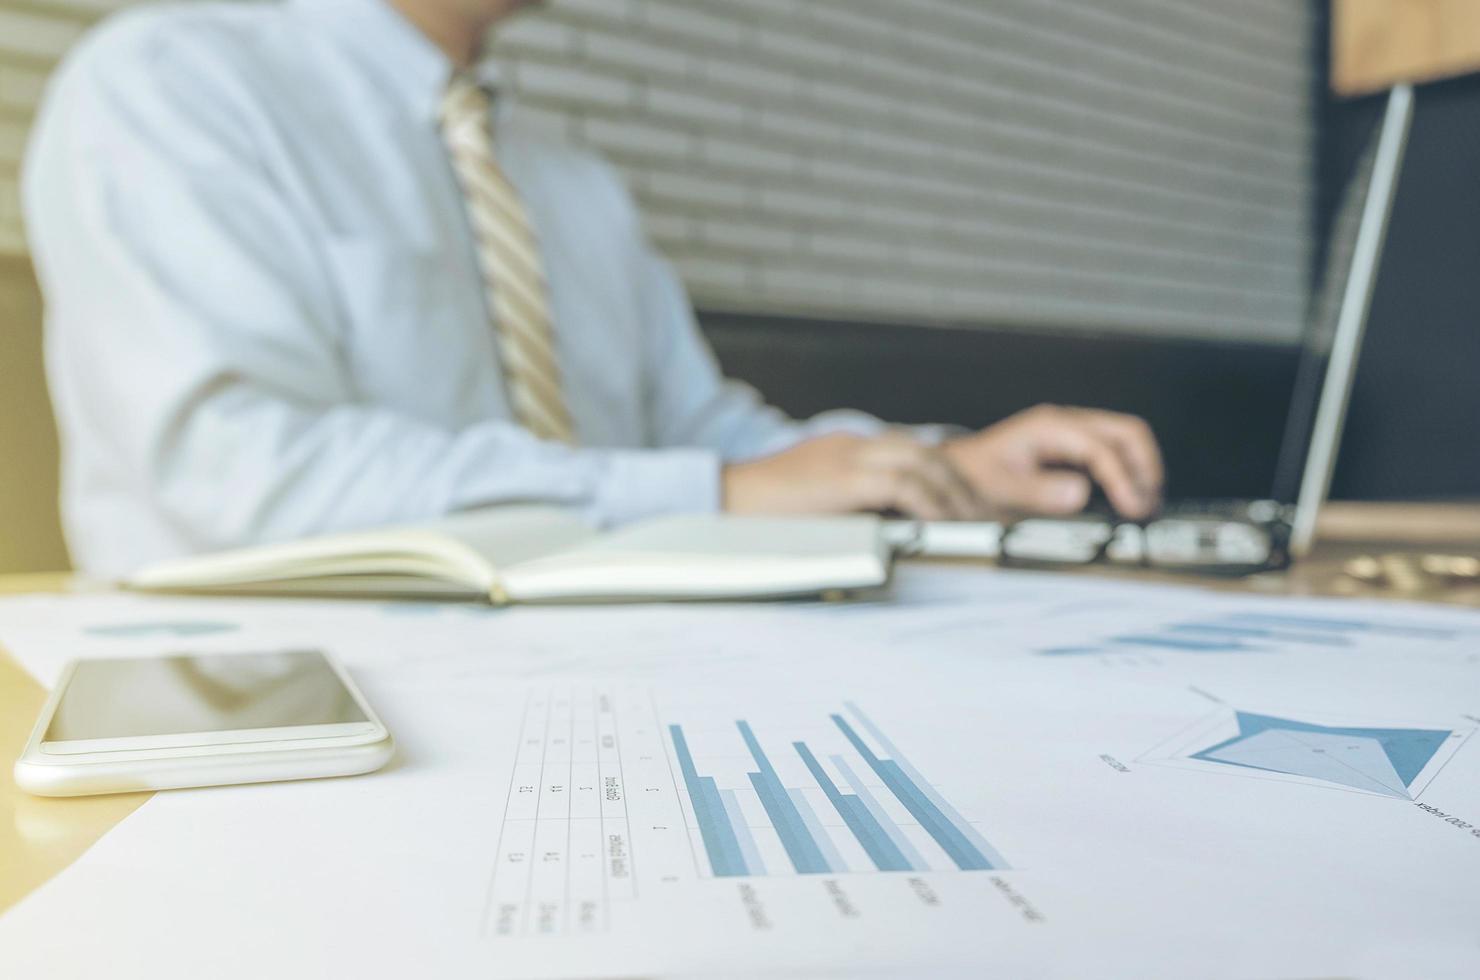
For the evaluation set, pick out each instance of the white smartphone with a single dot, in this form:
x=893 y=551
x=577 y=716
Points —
x=117 y=726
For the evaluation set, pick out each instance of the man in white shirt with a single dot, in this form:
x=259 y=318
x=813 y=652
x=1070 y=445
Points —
x=305 y=273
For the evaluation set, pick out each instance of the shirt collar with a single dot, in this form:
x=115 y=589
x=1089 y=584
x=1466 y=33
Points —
x=404 y=60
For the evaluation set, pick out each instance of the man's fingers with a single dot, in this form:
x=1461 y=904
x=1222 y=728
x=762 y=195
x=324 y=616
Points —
x=1057 y=492
x=921 y=481
x=917 y=497
x=896 y=488
x=1134 y=440
x=1044 y=492
x=1111 y=472
x=958 y=501
x=1074 y=442
x=1012 y=465
x=961 y=501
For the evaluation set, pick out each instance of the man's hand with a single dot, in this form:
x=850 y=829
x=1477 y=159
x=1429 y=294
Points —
x=1037 y=461
x=839 y=474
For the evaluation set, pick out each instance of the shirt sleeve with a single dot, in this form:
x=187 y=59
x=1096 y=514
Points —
x=197 y=358
x=692 y=403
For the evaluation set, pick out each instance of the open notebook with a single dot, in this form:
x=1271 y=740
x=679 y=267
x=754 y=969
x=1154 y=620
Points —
x=542 y=554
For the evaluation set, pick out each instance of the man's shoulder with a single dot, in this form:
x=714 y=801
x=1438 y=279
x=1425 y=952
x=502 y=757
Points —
x=143 y=33
x=191 y=43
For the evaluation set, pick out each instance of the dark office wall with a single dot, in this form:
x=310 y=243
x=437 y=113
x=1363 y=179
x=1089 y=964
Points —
x=1218 y=407
x=1412 y=427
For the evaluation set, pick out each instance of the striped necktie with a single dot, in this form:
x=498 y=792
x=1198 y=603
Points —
x=509 y=259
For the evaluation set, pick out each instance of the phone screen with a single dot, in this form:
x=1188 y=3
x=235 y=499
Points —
x=216 y=692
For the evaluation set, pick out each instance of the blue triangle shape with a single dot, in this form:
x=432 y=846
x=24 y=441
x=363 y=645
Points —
x=1408 y=749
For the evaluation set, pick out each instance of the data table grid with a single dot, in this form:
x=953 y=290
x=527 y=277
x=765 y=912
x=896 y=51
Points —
x=564 y=852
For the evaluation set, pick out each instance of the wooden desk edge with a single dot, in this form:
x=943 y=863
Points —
x=40 y=837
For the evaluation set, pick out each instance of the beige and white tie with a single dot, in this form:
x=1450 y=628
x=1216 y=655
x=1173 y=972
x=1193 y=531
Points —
x=509 y=258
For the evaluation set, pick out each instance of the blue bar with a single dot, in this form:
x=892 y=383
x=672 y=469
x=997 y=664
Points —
x=1310 y=622
x=725 y=856
x=949 y=834
x=1263 y=632
x=876 y=843
x=1070 y=651
x=1346 y=625
x=751 y=853
x=872 y=806
x=962 y=824
x=819 y=833
x=805 y=855
x=1186 y=646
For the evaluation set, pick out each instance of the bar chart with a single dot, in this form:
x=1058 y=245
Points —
x=844 y=799
x=616 y=792
x=1253 y=632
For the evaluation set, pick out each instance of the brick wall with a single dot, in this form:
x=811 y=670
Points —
x=1133 y=164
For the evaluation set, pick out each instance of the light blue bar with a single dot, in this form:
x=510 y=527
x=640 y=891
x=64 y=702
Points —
x=912 y=857
x=1348 y=625
x=806 y=856
x=963 y=825
x=1186 y=646
x=870 y=834
x=1263 y=632
x=948 y=837
x=725 y=857
x=1310 y=622
x=875 y=842
x=1070 y=651
x=819 y=833
x=881 y=850
x=752 y=855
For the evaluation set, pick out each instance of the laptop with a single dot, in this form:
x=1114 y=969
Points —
x=1231 y=536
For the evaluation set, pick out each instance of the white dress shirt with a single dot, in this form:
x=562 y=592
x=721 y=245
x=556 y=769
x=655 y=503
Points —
x=264 y=317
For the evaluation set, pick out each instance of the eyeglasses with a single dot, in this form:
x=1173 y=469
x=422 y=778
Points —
x=1210 y=545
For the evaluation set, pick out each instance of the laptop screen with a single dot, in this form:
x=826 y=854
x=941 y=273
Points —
x=1325 y=314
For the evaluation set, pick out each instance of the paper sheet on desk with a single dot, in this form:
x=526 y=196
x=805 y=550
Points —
x=1066 y=777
